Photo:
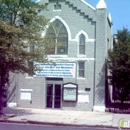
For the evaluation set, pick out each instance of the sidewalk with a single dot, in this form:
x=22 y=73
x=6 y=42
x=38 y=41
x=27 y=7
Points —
x=62 y=117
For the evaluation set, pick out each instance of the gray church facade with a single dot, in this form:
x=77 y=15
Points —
x=77 y=81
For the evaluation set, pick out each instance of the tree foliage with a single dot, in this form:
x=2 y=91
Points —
x=20 y=38
x=119 y=65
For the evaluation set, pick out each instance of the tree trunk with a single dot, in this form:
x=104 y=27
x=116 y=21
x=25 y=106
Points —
x=3 y=81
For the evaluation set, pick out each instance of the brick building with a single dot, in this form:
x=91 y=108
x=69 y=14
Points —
x=77 y=82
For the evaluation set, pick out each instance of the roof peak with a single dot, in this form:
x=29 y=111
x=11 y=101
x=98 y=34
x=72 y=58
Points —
x=101 y=5
x=87 y=4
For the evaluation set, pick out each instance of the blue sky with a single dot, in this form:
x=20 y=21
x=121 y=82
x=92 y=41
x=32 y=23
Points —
x=120 y=12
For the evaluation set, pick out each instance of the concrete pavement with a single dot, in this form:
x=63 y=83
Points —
x=62 y=117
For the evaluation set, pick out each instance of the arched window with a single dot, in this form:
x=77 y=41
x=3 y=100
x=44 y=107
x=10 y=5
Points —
x=82 y=44
x=58 y=32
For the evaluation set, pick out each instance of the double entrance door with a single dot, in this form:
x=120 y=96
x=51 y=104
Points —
x=53 y=94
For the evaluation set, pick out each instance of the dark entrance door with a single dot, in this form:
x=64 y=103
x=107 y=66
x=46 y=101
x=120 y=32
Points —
x=53 y=94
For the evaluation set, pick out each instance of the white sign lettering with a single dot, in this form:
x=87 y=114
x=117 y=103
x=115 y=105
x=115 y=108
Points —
x=66 y=70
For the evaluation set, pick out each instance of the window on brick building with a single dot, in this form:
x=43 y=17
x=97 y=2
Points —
x=58 y=33
x=81 y=69
x=82 y=44
x=57 y=6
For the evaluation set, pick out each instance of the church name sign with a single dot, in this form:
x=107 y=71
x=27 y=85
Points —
x=65 y=70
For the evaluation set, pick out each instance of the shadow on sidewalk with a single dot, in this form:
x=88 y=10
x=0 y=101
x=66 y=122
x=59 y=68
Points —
x=16 y=111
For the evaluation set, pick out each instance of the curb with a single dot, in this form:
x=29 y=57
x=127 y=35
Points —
x=76 y=125
x=12 y=121
x=55 y=123
x=63 y=124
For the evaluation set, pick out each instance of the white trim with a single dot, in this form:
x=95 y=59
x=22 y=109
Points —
x=68 y=31
x=80 y=78
x=87 y=4
x=91 y=40
x=70 y=86
x=81 y=1
x=57 y=56
x=77 y=38
x=79 y=33
x=26 y=90
x=62 y=59
x=57 y=10
x=110 y=18
x=86 y=36
x=81 y=56
x=28 y=76
x=12 y=104
x=82 y=69
x=99 y=108
x=65 y=24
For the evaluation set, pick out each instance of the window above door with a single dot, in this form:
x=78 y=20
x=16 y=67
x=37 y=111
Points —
x=57 y=7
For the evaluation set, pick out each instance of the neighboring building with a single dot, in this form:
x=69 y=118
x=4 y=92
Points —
x=77 y=82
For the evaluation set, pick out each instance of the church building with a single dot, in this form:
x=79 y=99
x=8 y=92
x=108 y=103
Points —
x=78 y=80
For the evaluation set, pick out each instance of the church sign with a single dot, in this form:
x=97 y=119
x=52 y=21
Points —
x=64 y=70
x=70 y=92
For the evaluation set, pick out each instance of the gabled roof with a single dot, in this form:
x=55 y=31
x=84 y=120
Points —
x=87 y=4
x=83 y=8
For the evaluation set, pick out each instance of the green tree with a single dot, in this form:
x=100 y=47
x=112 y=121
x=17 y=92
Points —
x=119 y=65
x=20 y=30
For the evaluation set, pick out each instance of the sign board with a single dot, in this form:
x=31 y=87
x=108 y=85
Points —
x=83 y=96
x=63 y=70
x=70 y=92
x=25 y=96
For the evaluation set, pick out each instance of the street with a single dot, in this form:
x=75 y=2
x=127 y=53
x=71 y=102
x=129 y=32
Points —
x=11 y=126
